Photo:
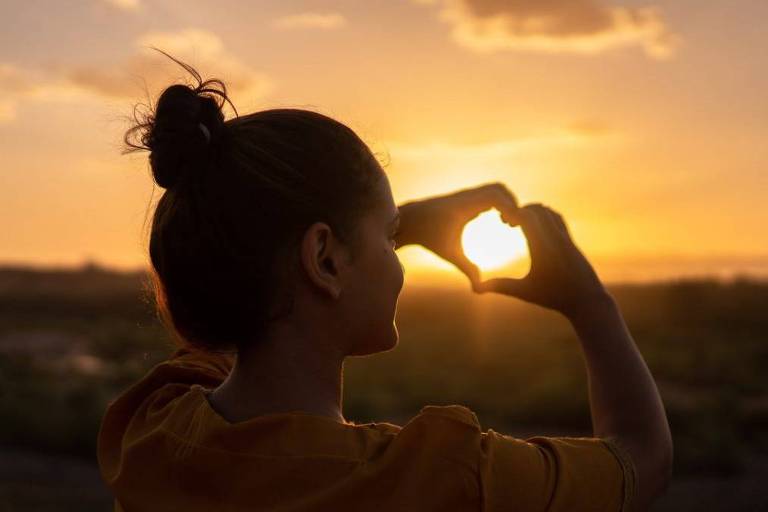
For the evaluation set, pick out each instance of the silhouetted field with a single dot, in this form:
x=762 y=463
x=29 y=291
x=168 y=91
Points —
x=72 y=340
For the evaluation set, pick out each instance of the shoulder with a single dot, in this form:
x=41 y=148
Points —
x=440 y=433
x=173 y=378
x=452 y=415
x=148 y=402
x=209 y=364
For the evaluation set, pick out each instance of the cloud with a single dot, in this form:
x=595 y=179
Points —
x=14 y=80
x=310 y=20
x=491 y=150
x=205 y=44
x=575 y=136
x=555 y=26
x=124 y=5
x=202 y=49
x=144 y=70
x=14 y=83
x=589 y=127
x=18 y=84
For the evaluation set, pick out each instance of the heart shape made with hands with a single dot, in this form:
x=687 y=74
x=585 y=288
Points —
x=494 y=246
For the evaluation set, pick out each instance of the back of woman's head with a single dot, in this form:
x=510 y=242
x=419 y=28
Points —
x=239 y=195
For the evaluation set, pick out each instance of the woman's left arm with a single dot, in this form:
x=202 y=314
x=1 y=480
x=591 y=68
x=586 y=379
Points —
x=436 y=223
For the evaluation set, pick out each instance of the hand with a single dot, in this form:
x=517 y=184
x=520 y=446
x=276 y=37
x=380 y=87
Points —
x=560 y=277
x=437 y=222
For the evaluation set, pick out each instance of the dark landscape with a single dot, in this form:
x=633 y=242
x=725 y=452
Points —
x=70 y=340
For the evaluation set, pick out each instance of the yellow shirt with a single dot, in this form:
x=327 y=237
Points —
x=162 y=447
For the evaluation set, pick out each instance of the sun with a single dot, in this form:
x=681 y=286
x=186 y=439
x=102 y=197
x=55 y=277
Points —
x=490 y=244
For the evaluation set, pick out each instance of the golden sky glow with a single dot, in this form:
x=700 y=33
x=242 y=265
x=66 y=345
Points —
x=643 y=123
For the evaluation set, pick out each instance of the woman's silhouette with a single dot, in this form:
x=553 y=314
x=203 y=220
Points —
x=273 y=250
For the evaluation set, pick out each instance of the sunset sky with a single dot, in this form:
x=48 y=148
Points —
x=644 y=124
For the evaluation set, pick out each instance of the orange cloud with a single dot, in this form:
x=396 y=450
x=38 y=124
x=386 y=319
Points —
x=12 y=83
x=589 y=127
x=146 y=70
x=200 y=48
x=557 y=26
x=310 y=20
x=18 y=84
x=125 y=5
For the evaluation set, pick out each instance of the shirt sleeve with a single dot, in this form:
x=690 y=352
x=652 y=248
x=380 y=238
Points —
x=555 y=474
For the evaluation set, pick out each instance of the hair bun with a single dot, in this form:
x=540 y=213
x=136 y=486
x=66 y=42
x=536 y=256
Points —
x=172 y=133
x=176 y=141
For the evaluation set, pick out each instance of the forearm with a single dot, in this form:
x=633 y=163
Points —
x=624 y=401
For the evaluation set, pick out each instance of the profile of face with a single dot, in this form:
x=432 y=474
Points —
x=357 y=288
x=375 y=279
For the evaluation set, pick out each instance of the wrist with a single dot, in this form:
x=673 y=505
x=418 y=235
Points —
x=595 y=309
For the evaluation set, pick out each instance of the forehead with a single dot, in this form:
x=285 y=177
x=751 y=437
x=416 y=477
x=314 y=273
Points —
x=386 y=203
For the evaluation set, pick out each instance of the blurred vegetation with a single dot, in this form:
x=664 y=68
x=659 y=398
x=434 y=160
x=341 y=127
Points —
x=72 y=340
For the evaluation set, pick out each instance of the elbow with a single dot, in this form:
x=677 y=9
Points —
x=666 y=467
x=655 y=471
x=660 y=471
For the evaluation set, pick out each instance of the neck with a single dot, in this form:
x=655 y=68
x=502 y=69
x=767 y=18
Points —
x=290 y=371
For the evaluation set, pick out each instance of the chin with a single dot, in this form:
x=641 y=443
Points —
x=376 y=345
x=394 y=337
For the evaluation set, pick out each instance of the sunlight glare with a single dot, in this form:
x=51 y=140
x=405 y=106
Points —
x=490 y=243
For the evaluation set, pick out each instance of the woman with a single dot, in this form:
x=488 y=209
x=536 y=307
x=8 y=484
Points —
x=273 y=249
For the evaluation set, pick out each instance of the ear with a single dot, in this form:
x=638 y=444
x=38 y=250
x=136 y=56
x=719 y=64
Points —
x=322 y=257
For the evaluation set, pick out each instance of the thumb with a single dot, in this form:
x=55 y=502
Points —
x=469 y=269
x=503 y=285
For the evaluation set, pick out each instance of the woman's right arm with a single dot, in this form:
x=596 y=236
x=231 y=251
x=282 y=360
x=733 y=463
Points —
x=624 y=401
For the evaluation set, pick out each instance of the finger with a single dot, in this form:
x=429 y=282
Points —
x=506 y=203
x=553 y=227
x=507 y=286
x=549 y=232
x=557 y=226
x=534 y=229
x=468 y=268
x=561 y=223
x=492 y=195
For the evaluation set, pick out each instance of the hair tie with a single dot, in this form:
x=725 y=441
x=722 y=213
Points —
x=206 y=132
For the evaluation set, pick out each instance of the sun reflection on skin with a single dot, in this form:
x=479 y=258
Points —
x=491 y=244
